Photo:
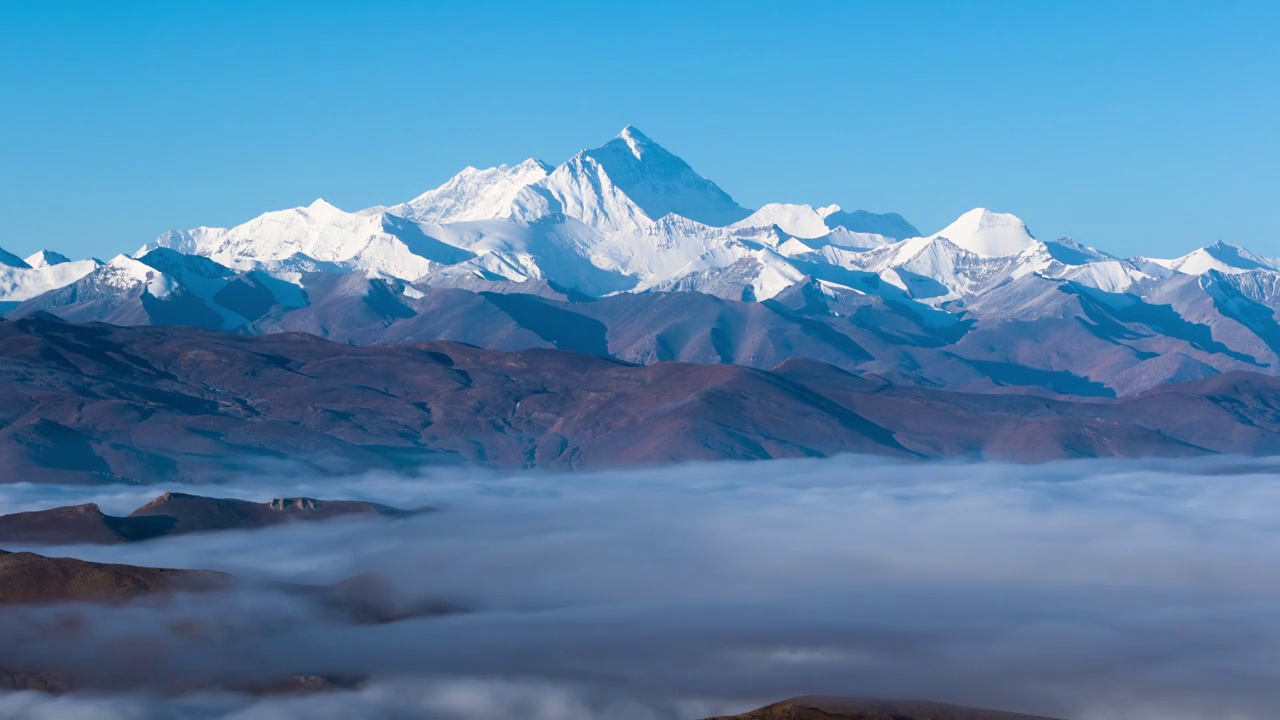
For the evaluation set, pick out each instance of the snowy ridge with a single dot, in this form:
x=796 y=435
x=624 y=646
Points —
x=126 y=273
x=318 y=237
x=40 y=273
x=46 y=258
x=629 y=216
x=1220 y=256
x=473 y=194
x=802 y=221
x=627 y=222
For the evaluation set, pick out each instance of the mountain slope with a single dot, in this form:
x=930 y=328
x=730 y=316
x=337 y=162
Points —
x=94 y=402
x=626 y=184
x=42 y=272
x=890 y=225
x=1220 y=257
x=46 y=258
x=318 y=237
x=473 y=194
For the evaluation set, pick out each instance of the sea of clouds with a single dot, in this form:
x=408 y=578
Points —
x=1091 y=589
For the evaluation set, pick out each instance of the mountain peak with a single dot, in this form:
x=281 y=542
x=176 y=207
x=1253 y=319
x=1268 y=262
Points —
x=982 y=217
x=641 y=174
x=989 y=234
x=635 y=140
x=533 y=164
x=46 y=258
x=1221 y=256
x=321 y=205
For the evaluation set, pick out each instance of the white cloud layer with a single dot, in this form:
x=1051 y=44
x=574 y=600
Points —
x=1095 y=590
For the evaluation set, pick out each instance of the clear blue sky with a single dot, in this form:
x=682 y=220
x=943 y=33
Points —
x=1138 y=127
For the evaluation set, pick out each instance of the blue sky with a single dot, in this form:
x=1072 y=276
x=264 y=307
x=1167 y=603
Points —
x=1138 y=127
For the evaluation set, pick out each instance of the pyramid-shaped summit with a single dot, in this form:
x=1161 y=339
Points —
x=623 y=185
x=655 y=180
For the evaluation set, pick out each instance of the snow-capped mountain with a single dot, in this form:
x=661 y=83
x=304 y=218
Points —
x=627 y=184
x=46 y=258
x=40 y=273
x=166 y=287
x=318 y=237
x=890 y=225
x=1220 y=256
x=474 y=194
x=628 y=216
x=625 y=250
x=988 y=234
x=810 y=223
x=801 y=221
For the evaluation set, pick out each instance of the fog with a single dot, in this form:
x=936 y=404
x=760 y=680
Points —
x=1093 y=590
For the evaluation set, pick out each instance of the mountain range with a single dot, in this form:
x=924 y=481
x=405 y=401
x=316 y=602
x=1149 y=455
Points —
x=625 y=252
x=90 y=403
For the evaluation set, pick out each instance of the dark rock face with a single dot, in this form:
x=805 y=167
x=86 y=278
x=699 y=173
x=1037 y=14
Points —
x=88 y=403
x=807 y=708
x=173 y=514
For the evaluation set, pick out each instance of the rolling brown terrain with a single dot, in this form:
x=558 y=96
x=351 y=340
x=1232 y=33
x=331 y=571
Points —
x=31 y=579
x=815 y=708
x=93 y=403
x=28 y=578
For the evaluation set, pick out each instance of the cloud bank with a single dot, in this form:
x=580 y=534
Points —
x=1095 y=590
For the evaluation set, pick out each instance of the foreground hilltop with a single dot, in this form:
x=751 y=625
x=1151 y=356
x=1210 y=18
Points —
x=817 y=708
x=89 y=403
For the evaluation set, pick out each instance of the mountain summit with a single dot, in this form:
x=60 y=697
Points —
x=1220 y=256
x=989 y=234
x=626 y=185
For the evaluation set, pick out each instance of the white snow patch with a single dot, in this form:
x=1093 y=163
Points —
x=988 y=234
x=18 y=283
x=800 y=221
